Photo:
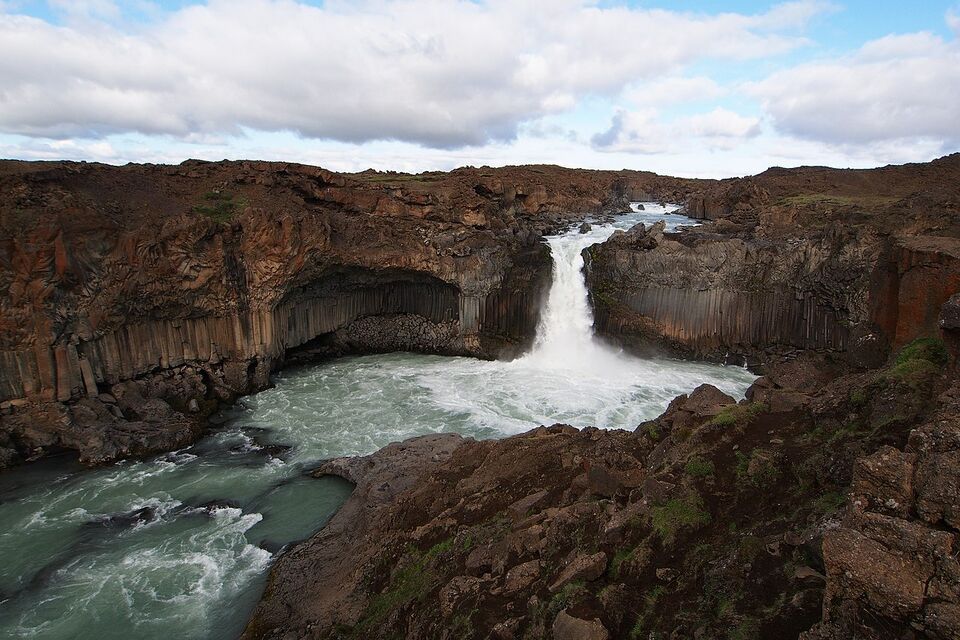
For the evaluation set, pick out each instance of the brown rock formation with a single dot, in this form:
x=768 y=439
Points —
x=715 y=520
x=892 y=566
x=216 y=272
x=848 y=262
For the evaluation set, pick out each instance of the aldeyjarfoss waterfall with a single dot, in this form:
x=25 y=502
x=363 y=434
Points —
x=179 y=546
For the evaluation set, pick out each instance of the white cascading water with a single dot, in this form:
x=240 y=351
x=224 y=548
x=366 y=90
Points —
x=565 y=338
x=192 y=570
x=565 y=335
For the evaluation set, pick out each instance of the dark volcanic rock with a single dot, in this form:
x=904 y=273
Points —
x=196 y=281
x=351 y=538
x=715 y=516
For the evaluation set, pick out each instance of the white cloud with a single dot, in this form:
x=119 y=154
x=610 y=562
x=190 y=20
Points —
x=433 y=72
x=797 y=14
x=722 y=123
x=896 y=88
x=642 y=131
x=673 y=90
x=953 y=20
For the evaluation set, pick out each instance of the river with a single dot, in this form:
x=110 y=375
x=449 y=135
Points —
x=179 y=546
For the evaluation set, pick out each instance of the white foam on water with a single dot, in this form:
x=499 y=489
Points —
x=187 y=576
x=191 y=572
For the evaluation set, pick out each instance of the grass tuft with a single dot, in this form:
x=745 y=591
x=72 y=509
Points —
x=738 y=414
x=649 y=604
x=698 y=467
x=677 y=514
x=219 y=206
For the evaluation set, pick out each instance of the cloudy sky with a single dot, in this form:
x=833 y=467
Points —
x=694 y=88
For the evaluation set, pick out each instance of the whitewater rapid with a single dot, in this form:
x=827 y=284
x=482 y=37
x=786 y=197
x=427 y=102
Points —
x=178 y=546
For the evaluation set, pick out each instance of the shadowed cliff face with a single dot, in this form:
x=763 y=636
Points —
x=739 y=297
x=856 y=269
x=186 y=286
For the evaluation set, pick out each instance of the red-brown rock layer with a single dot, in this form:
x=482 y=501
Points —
x=849 y=262
x=194 y=282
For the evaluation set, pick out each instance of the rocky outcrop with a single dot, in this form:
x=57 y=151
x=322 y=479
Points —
x=892 y=567
x=853 y=263
x=334 y=557
x=224 y=270
x=479 y=536
x=736 y=296
x=824 y=505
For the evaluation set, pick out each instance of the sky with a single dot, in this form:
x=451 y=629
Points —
x=689 y=88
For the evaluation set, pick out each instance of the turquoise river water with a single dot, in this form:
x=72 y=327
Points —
x=179 y=546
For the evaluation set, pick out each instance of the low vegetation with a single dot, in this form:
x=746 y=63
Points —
x=219 y=206
x=918 y=360
x=738 y=414
x=649 y=605
x=412 y=581
x=679 y=513
x=698 y=467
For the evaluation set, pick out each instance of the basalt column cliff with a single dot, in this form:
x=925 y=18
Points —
x=134 y=299
x=853 y=263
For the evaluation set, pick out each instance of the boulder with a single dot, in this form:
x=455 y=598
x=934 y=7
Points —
x=861 y=569
x=582 y=567
x=459 y=589
x=707 y=400
x=522 y=576
x=883 y=481
x=938 y=488
x=566 y=627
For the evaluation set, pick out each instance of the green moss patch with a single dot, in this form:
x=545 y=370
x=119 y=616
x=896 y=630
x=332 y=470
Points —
x=219 y=206
x=698 y=467
x=738 y=414
x=674 y=515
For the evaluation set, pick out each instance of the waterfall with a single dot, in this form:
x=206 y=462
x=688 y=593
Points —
x=565 y=337
x=565 y=333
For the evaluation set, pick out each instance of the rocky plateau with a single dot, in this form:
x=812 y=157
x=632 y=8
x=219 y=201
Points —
x=826 y=505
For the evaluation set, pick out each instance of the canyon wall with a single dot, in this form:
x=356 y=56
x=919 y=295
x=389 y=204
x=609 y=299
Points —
x=188 y=285
x=853 y=263
x=738 y=297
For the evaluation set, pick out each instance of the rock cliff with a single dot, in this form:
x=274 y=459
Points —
x=849 y=262
x=135 y=299
x=821 y=507
x=184 y=286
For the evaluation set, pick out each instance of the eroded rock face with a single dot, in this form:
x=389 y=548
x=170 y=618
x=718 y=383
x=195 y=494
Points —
x=721 y=296
x=892 y=566
x=113 y=274
x=810 y=259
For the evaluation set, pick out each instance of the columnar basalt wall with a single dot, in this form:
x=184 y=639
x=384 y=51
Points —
x=844 y=291
x=480 y=325
x=718 y=320
x=722 y=297
x=194 y=283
